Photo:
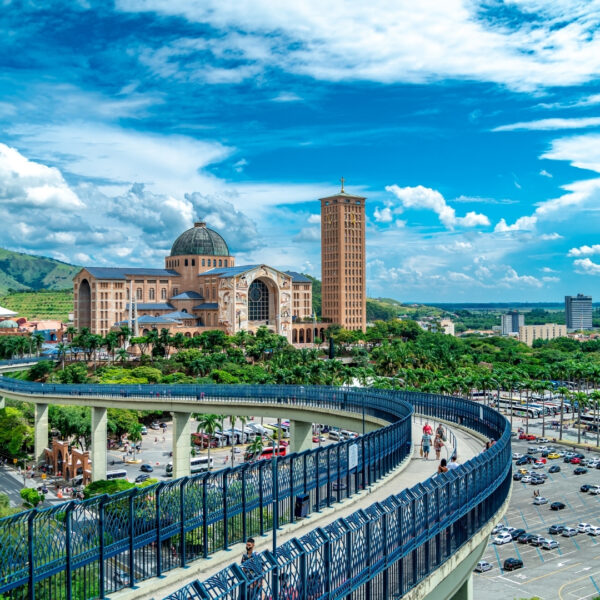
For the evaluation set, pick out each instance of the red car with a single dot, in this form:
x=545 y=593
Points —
x=530 y=437
x=522 y=436
x=541 y=461
x=575 y=460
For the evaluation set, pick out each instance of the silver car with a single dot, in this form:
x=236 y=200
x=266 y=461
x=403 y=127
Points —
x=483 y=566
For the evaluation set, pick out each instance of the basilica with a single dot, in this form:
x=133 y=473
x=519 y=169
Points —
x=200 y=288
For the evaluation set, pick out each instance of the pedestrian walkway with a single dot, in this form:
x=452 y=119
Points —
x=413 y=471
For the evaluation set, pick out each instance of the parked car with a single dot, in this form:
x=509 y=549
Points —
x=580 y=471
x=144 y=430
x=537 y=540
x=510 y=564
x=517 y=533
x=147 y=468
x=556 y=529
x=538 y=465
x=569 y=532
x=594 y=530
x=595 y=490
x=575 y=460
x=498 y=527
x=483 y=566
x=557 y=506
x=585 y=487
x=524 y=539
x=583 y=527
x=142 y=477
x=526 y=479
x=517 y=455
x=553 y=455
x=549 y=544
x=502 y=538
x=517 y=476
x=554 y=469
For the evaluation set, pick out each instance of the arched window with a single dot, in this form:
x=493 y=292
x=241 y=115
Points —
x=127 y=293
x=258 y=301
x=151 y=293
x=294 y=336
x=203 y=262
x=226 y=263
x=220 y=263
x=163 y=294
x=301 y=336
x=186 y=262
x=138 y=293
x=308 y=336
x=193 y=262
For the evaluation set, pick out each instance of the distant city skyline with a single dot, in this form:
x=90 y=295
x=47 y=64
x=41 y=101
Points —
x=471 y=127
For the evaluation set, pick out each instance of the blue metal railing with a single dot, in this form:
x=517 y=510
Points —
x=25 y=360
x=387 y=549
x=88 y=549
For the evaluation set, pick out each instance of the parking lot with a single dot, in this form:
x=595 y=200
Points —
x=569 y=572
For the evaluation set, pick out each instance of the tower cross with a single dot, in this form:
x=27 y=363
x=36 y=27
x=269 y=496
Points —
x=342 y=180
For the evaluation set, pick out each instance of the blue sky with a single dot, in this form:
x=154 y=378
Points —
x=472 y=127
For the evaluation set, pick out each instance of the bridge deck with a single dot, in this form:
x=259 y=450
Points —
x=415 y=471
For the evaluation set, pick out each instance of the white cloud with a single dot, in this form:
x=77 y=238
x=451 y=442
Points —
x=286 y=97
x=29 y=184
x=550 y=236
x=551 y=124
x=586 y=266
x=240 y=164
x=555 y=44
x=308 y=234
x=513 y=278
x=582 y=151
x=545 y=173
x=521 y=224
x=550 y=279
x=420 y=197
x=585 y=250
x=547 y=270
x=314 y=219
x=384 y=215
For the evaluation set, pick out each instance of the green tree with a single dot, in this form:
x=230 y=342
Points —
x=31 y=497
x=16 y=435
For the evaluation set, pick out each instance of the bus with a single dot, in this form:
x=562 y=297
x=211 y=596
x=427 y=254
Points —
x=120 y=474
x=198 y=464
x=266 y=453
x=519 y=409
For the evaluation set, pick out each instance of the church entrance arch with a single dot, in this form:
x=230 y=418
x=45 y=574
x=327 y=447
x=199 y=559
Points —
x=85 y=304
x=263 y=303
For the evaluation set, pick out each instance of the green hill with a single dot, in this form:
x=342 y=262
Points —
x=40 y=305
x=26 y=272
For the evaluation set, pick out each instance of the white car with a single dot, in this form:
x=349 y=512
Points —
x=595 y=490
x=526 y=479
x=517 y=455
x=550 y=544
x=583 y=527
x=499 y=527
x=540 y=500
x=543 y=440
x=538 y=465
x=502 y=538
x=483 y=566
x=593 y=530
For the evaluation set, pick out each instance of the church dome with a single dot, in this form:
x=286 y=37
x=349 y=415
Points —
x=200 y=240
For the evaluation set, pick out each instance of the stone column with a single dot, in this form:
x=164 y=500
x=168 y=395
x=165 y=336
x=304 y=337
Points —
x=181 y=444
x=99 y=441
x=300 y=436
x=41 y=431
x=465 y=592
x=2 y=402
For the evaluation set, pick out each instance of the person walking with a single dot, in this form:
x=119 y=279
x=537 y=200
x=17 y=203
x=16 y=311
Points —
x=438 y=444
x=427 y=429
x=426 y=445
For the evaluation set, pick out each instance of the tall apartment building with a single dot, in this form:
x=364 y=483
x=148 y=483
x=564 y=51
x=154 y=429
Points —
x=511 y=322
x=343 y=260
x=578 y=312
x=549 y=331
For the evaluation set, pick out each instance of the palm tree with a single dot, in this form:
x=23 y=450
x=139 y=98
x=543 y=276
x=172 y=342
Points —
x=111 y=341
x=37 y=339
x=541 y=387
x=563 y=391
x=62 y=352
x=232 y=421
x=209 y=425
x=581 y=399
x=256 y=446
x=595 y=402
x=123 y=355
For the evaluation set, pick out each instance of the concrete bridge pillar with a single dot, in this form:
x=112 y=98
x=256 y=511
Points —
x=465 y=592
x=2 y=402
x=181 y=444
x=99 y=442
x=41 y=431
x=300 y=436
